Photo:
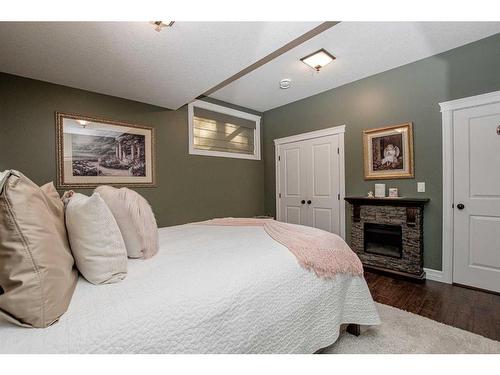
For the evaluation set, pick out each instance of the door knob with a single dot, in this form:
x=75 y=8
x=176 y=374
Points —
x=460 y=206
x=302 y=201
x=309 y=202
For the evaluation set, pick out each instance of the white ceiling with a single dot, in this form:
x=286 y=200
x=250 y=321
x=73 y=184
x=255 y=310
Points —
x=131 y=60
x=362 y=49
x=173 y=67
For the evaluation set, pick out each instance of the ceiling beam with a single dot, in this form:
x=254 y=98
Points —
x=287 y=47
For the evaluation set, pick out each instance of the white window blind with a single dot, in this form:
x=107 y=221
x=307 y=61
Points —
x=217 y=133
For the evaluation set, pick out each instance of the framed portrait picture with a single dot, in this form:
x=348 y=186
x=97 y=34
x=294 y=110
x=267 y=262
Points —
x=92 y=151
x=388 y=152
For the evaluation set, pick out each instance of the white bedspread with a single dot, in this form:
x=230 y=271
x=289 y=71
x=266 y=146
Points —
x=209 y=290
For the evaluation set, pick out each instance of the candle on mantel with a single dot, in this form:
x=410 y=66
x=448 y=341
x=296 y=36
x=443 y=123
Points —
x=379 y=190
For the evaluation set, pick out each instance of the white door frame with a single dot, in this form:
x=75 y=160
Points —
x=447 y=109
x=340 y=130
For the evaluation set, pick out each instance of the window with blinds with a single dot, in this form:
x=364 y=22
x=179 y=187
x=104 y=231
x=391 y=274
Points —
x=219 y=131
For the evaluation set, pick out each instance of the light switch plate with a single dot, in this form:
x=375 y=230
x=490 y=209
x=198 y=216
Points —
x=421 y=187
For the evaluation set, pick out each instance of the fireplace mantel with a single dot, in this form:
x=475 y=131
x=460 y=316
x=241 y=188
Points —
x=402 y=201
x=376 y=221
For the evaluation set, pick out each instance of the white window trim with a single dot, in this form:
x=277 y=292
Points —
x=226 y=111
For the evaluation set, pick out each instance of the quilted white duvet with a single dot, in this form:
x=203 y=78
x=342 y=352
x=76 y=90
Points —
x=209 y=290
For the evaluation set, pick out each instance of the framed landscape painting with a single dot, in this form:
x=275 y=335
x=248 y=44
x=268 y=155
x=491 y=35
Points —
x=388 y=152
x=92 y=151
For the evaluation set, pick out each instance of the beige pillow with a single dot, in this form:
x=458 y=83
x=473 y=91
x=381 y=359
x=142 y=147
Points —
x=95 y=239
x=36 y=266
x=135 y=218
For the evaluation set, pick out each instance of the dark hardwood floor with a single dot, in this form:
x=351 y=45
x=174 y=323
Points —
x=471 y=310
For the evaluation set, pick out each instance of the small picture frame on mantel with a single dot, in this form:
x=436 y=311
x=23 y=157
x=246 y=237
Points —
x=393 y=193
x=388 y=152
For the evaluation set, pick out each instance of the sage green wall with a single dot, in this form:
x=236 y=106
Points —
x=196 y=187
x=409 y=93
x=189 y=187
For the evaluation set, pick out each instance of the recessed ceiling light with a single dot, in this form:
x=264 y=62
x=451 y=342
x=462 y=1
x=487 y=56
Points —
x=160 y=24
x=285 y=83
x=318 y=59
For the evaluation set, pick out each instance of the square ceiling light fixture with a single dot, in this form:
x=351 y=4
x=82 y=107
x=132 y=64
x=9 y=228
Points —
x=318 y=59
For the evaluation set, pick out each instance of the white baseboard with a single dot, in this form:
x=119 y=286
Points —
x=434 y=275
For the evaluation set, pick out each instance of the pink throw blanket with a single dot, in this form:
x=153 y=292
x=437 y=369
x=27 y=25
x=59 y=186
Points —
x=316 y=250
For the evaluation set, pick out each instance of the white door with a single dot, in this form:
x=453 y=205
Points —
x=293 y=185
x=309 y=183
x=476 y=255
x=323 y=193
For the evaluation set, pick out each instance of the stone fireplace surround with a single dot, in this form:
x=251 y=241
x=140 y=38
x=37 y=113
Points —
x=405 y=212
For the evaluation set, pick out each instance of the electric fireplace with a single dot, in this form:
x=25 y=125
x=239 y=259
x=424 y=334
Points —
x=387 y=234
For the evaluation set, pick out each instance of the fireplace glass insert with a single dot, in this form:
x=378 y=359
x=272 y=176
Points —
x=383 y=239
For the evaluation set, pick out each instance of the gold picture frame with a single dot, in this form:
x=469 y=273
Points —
x=388 y=152
x=93 y=151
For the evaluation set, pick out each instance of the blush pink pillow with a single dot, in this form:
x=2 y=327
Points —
x=135 y=219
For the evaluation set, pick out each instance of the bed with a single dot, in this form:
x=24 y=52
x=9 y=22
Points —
x=210 y=289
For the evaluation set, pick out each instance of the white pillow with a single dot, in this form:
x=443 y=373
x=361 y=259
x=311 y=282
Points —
x=135 y=219
x=95 y=239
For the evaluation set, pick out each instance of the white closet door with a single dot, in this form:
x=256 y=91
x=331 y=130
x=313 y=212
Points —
x=322 y=169
x=476 y=259
x=293 y=185
x=309 y=183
